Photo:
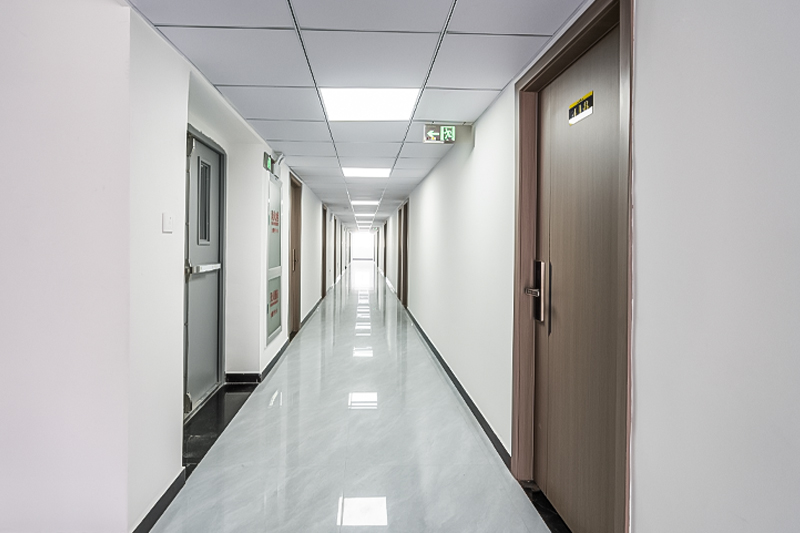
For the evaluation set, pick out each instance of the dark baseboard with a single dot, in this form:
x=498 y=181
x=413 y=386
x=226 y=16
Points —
x=161 y=505
x=310 y=313
x=255 y=377
x=252 y=377
x=495 y=440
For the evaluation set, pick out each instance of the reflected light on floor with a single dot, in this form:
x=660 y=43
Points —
x=362 y=512
x=362 y=400
x=362 y=279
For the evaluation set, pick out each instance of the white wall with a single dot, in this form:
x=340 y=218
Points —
x=716 y=430
x=310 y=253
x=330 y=277
x=159 y=85
x=64 y=224
x=461 y=261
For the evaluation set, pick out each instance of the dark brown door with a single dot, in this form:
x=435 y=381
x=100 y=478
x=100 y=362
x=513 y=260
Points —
x=294 y=257
x=402 y=255
x=580 y=400
x=324 y=251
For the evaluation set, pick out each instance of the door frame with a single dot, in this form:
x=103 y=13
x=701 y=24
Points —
x=324 y=250
x=295 y=254
x=194 y=133
x=598 y=19
x=402 y=255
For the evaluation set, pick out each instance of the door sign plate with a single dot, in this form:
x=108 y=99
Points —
x=581 y=109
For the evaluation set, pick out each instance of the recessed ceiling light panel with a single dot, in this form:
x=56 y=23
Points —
x=365 y=202
x=369 y=104
x=353 y=172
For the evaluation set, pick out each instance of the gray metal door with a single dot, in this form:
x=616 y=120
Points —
x=203 y=273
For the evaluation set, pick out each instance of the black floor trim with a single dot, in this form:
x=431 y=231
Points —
x=546 y=510
x=161 y=505
x=501 y=450
x=255 y=377
x=311 y=313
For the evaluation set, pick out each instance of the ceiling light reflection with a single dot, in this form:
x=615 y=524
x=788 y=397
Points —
x=362 y=512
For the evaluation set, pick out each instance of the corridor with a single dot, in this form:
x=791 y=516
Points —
x=357 y=425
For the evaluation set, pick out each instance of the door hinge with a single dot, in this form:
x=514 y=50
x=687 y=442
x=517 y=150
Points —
x=189 y=145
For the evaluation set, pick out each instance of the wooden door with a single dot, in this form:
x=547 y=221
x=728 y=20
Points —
x=294 y=256
x=324 y=251
x=581 y=343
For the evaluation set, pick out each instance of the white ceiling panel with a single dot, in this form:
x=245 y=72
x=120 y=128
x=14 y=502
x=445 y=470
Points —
x=311 y=161
x=368 y=131
x=322 y=172
x=242 y=13
x=482 y=61
x=275 y=102
x=364 y=15
x=368 y=149
x=403 y=173
x=244 y=56
x=289 y=130
x=369 y=59
x=424 y=150
x=367 y=162
x=416 y=162
x=443 y=105
x=540 y=17
x=304 y=148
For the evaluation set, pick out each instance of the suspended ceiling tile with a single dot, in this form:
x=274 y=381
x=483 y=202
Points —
x=322 y=172
x=540 y=17
x=276 y=103
x=482 y=61
x=369 y=59
x=402 y=173
x=304 y=148
x=367 y=162
x=230 y=56
x=286 y=130
x=365 y=15
x=368 y=149
x=425 y=150
x=416 y=162
x=441 y=105
x=242 y=13
x=368 y=131
x=312 y=161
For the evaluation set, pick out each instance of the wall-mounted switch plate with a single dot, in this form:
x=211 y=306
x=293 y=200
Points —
x=167 y=223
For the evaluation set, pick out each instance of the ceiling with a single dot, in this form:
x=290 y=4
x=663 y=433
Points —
x=269 y=58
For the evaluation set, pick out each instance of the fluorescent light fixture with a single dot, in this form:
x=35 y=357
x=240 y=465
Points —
x=369 y=215
x=363 y=400
x=355 y=172
x=369 y=104
x=362 y=512
x=365 y=202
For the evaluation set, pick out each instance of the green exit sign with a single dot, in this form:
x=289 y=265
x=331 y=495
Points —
x=269 y=163
x=437 y=133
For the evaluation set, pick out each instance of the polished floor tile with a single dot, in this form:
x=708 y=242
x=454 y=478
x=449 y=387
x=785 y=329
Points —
x=357 y=428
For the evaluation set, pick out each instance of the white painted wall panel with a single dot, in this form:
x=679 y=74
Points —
x=461 y=261
x=159 y=89
x=717 y=254
x=65 y=226
x=310 y=252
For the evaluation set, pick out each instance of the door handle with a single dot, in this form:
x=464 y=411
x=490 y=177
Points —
x=190 y=269
x=537 y=292
x=202 y=269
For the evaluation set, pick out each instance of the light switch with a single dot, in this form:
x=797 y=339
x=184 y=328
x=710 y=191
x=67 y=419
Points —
x=167 y=222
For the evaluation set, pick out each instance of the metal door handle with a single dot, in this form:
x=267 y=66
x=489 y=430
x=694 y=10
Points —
x=538 y=292
x=294 y=258
x=530 y=291
x=202 y=269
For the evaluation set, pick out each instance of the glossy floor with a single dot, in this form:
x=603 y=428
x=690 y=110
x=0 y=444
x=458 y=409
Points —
x=356 y=429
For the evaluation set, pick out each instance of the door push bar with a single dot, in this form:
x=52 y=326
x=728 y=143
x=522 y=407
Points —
x=200 y=269
x=537 y=292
